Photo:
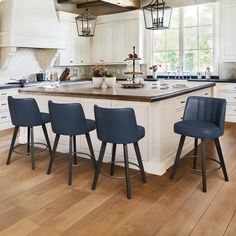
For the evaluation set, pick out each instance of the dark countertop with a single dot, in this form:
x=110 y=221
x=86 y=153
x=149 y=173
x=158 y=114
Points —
x=145 y=94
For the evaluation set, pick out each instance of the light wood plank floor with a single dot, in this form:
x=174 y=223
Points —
x=33 y=203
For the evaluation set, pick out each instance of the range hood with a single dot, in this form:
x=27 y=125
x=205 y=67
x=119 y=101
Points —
x=30 y=24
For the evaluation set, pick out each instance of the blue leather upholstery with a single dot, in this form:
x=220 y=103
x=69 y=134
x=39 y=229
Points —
x=204 y=118
x=117 y=126
x=69 y=119
x=25 y=112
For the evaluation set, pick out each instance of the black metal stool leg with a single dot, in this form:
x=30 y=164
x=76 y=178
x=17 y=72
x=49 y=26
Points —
x=12 y=144
x=52 y=158
x=70 y=162
x=47 y=138
x=74 y=142
x=140 y=162
x=28 y=140
x=91 y=150
x=127 y=177
x=180 y=147
x=32 y=147
x=113 y=157
x=219 y=151
x=99 y=164
x=195 y=153
x=204 y=188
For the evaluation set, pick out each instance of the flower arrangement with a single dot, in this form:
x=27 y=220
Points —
x=154 y=68
x=99 y=71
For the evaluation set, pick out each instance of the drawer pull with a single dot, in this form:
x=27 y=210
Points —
x=3 y=117
x=3 y=94
x=182 y=102
x=3 y=104
x=206 y=94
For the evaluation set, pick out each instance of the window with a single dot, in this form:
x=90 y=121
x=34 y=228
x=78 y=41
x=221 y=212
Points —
x=188 y=43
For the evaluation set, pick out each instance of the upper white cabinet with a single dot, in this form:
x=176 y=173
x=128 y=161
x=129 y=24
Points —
x=228 y=32
x=78 y=49
x=103 y=44
x=116 y=35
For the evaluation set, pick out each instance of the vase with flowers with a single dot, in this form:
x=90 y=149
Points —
x=154 y=69
x=98 y=75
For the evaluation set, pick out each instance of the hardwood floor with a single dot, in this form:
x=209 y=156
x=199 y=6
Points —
x=33 y=203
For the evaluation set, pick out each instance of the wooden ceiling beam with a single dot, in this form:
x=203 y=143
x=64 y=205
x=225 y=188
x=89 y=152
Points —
x=93 y=4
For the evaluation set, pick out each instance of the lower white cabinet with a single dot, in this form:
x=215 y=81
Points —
x=5 y=119
x=228 y=92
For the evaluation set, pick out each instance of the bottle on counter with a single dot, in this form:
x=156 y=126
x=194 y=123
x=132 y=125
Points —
x=208 y=73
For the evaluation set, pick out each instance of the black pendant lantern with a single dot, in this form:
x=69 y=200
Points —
x=86 y=24
x=157 y=15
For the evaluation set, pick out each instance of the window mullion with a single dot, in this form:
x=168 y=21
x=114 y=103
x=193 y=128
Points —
x=181 y=39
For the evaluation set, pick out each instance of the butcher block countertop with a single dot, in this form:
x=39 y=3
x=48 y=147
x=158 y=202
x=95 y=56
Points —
x=149 y=93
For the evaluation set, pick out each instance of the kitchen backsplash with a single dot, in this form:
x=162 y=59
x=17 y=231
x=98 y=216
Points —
x=27 y=62
x=227 y=70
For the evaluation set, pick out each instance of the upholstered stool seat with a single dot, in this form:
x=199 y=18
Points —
x=25 y=113
x=203 y=119
x=69 y=120
x=118 y=126
x=198 y=129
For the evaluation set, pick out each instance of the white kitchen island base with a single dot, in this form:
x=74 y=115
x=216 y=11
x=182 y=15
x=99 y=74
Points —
x=158 y=147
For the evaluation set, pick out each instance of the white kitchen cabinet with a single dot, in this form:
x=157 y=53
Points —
x=228 y=33
x=78 y=49
x=228 y=92
x=116 y=35
x=103 y=44
x=5 y=119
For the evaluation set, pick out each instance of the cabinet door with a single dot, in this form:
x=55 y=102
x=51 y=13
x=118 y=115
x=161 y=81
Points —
x=85 y=51
x=108 y=42
x=97 y=44
x=228 y=32
x=133 y=35
x=121 y=49
x=67 y=55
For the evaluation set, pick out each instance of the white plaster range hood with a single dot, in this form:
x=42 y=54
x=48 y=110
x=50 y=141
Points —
x=28 y=24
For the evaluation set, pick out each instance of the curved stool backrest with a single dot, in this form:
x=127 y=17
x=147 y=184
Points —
x=24 y=112
x=67 y=119
x=116 y=125
x=206 y=109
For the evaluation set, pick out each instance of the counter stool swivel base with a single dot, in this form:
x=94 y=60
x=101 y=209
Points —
x=126 y=162
x=30 y=144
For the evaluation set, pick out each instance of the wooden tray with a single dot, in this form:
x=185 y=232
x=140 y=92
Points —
x=132 y=85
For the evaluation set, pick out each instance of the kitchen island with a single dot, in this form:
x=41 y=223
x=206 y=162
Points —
x=156 y=109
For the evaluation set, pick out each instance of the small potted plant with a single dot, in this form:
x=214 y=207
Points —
x=98 y=75
x=110 y=79
x=154 y=69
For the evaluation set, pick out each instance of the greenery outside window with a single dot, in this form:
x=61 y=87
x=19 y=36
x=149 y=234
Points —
x=188 y=44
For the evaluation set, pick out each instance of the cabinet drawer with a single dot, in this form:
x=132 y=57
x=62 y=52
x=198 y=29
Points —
x=180 y=102
x=231 y=110
x=228 y=87
x=229 y=96
x=5 y=117
x=3 y=105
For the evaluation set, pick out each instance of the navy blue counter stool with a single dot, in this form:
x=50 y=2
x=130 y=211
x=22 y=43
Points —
x=69 y=120
x=118 y=126
x=203 y=119
x=24 y=112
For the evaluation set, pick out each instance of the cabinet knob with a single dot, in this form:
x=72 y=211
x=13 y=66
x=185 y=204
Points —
x=71 y=61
